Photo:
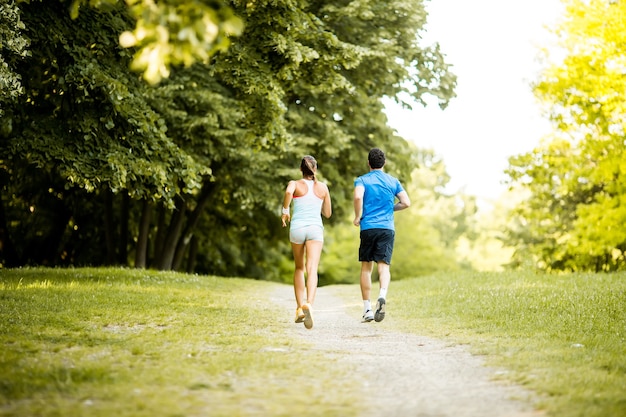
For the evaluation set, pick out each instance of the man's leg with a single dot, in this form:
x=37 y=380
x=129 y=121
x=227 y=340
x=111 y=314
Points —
x=384 y=278
x=366 y=279
x=366 y=288
x=384 y=275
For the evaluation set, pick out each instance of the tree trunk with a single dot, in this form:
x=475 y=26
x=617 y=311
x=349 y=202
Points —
x=164 y=263
x=141 y=250
x=191 y=257
x=159 y=240
x=8 y=252
x=108 y=227
x=51 y=250
x=205 y=194
x=124 y=218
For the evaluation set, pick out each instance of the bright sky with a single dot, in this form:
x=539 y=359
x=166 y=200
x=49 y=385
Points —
x=492 y=46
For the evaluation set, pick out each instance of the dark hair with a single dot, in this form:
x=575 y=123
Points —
x=376 y=158
x=308 y=166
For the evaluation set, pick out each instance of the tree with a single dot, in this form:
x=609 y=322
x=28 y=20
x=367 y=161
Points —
x=193 y=168
x=321 y=111
x=577 y=182
x=83 y=124
x=427 y=235
x=542 y=223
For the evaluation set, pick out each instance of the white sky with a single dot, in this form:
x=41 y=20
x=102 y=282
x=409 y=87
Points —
x=492 y=46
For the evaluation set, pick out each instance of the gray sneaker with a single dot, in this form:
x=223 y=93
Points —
x=368 y=316
x=380 y=309
x=308 y=315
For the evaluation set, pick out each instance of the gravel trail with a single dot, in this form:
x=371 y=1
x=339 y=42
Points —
x=404 y=374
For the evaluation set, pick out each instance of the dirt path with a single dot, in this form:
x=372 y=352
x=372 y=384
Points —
x=405 y=375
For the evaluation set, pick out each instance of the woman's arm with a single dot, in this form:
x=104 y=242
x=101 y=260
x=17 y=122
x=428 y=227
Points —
x=291 y=188
x=327 y=209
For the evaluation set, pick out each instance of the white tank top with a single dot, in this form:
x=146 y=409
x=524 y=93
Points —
x=307 y=209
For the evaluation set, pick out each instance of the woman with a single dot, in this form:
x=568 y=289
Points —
x=306 y=234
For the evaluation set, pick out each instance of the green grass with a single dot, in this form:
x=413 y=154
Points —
x=563 y=336
x=103 y=342
x=123 y=342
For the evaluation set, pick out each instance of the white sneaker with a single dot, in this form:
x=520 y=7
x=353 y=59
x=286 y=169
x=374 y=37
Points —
x=368 y=316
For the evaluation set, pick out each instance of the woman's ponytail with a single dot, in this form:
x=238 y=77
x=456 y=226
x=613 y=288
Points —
x=308 y=166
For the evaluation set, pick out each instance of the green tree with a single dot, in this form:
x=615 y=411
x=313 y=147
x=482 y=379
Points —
x=14 y=46
x=577 y=182
x=542 y=223
x=83 y=123
x=428 y=232
x=190 y=173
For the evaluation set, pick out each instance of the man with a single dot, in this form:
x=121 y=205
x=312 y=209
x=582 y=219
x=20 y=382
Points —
x=375 y=196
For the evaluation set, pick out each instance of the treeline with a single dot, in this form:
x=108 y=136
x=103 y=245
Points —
x=574 y=213
x=99 y=167
x=162 y=136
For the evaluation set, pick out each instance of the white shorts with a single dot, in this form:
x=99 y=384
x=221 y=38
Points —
x=302 y=234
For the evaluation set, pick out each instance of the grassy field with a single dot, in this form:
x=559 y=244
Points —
x=102 y=342
x=563 y=336
x=113 y=342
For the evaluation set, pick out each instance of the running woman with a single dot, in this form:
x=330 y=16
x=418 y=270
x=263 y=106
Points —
x=311 y=199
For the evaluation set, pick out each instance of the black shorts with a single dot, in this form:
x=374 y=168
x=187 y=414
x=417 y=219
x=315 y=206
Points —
x=376 y=245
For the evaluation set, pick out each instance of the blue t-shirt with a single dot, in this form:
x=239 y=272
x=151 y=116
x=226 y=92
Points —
x=379 y=198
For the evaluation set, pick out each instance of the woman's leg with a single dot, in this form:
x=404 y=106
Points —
x=313 y=255
x=298 y=273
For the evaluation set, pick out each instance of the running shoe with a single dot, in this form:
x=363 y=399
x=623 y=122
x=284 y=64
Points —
x=308 y=315
x=380 y=309
x=299 y=315
x=368 y=316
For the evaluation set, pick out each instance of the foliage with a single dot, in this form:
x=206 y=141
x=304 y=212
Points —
x=84 y=118
x=577 y=180
x=13 y=46
x=483 y=248
x=189 y=173
x=427 y=233
x=172 y=33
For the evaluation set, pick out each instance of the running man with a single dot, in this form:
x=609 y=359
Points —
x=375 y=196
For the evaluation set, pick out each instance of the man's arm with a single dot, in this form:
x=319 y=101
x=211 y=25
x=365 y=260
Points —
x=359 y=191
x=404 y=202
